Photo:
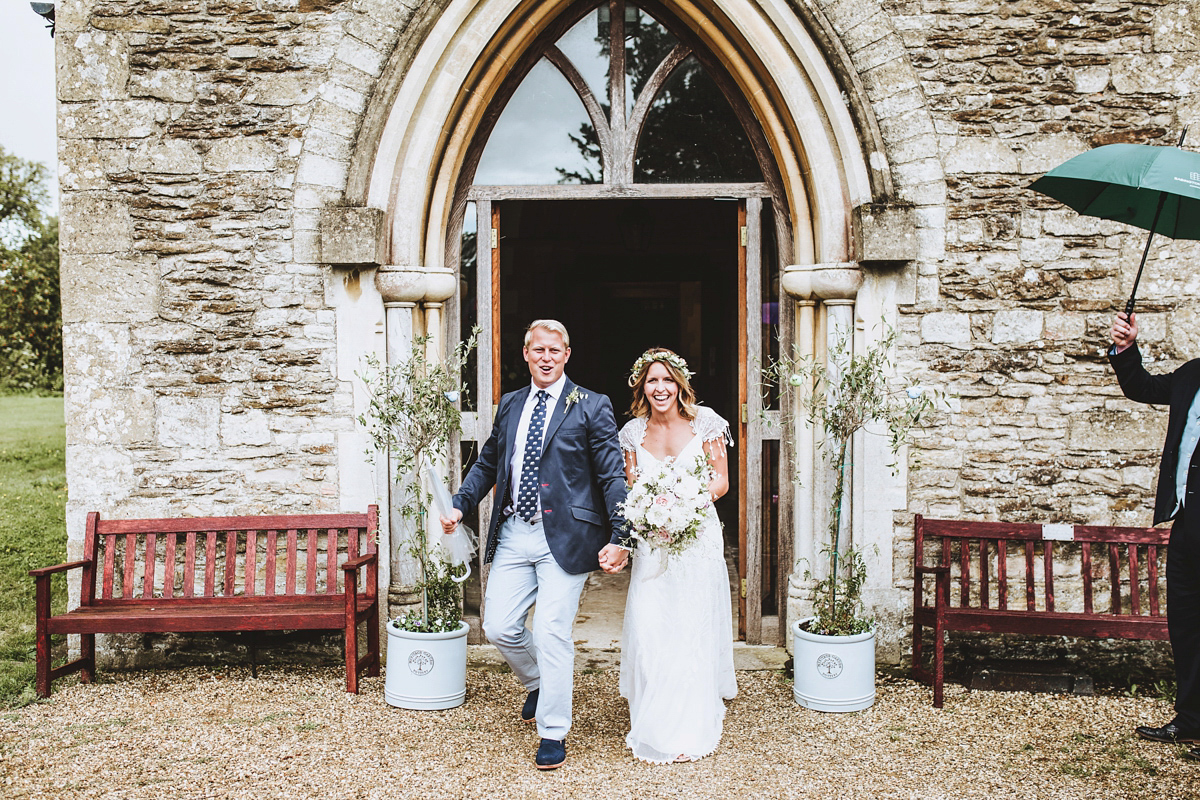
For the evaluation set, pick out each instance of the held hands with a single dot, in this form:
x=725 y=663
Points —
x=451 y=522
x=1124 y=330
x=613 y=558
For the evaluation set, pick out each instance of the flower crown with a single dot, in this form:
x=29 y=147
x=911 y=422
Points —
x=665 y=356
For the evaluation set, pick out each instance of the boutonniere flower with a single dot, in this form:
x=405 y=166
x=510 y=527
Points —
x=574 y=397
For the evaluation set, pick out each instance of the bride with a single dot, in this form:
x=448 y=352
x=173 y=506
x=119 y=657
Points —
x=677 y=642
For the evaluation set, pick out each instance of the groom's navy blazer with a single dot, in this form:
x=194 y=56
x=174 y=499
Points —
x=582 y=476
x=1176 y=389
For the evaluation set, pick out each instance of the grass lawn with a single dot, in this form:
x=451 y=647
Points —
x=33 y=494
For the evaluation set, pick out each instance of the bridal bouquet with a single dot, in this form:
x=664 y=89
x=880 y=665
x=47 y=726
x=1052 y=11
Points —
x=668 y=503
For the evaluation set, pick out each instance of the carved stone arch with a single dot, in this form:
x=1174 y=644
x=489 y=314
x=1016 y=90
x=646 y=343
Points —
x=435 y=90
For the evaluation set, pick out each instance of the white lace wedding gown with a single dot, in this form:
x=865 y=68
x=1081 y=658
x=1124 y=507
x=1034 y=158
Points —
x=677 y=642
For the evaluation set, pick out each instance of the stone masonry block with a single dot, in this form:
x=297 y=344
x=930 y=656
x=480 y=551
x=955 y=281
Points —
x=352 y=236
x=946 y=327
x=282 y=89
x=242 y=155
x=1121 y=431
x=980 y=155
x=94 y=224
x=1017 y=326
x=172 y=156
x=108 y=288
x=249 y=428
x=92 y=65
x=118 y=119
x=187 y=422
x=885 y=232
x=172 y=85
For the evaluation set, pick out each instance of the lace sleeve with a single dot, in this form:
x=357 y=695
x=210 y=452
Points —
x=631 y=434
x=710 y=426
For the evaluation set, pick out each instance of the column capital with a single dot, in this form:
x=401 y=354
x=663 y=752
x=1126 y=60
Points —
x=837 y=280
x=415 y=284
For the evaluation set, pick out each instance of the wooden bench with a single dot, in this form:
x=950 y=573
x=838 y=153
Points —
x=218 y=574
x=984 y=560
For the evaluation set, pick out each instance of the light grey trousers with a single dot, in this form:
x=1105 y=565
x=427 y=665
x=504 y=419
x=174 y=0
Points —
x=524 y=572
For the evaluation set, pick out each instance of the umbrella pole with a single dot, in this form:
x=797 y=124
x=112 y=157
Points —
x=1162 y=198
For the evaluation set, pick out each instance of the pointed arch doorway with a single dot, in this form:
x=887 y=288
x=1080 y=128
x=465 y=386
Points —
x=620 y=183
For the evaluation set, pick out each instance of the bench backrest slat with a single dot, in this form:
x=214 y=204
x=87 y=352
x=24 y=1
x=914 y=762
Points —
x=1001 y=573
x=1085 y=558
x=1152 y=577
x=1048 y=567
x=1030 y=603
x=1114 y=571
x=310 y=571
x=127 y=576
x=269 y=563
x=189 y=565
x=110 y=555
x=290 y=576
x=1135 y=600
x=210 y=562
x=964 y=567
x=150 y=561
x=169 y=567
x=331 y=566
x=251 y=561
x=984 y=589
x=1131 y=579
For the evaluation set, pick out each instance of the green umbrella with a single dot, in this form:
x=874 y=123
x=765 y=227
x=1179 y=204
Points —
x=1152 y=187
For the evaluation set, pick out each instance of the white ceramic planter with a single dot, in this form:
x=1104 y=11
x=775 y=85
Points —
x=426 y=670
x=833 y=673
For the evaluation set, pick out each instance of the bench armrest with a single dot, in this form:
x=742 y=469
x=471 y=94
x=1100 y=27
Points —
x=37 y=573
x=355 y=563
x=920 y=570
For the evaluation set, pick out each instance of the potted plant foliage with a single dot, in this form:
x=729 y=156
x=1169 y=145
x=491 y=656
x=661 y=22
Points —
x=413 y=415
x=834 y=652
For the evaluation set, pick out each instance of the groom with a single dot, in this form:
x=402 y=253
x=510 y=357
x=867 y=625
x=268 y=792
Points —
x=554 y=458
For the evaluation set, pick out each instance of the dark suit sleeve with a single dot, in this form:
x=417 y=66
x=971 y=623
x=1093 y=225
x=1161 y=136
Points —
x=482 y=477
x=608 y=465
x=1138 y=384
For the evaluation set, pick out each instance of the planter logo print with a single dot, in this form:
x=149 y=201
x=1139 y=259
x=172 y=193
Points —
x=420 y=662
x=828 y=665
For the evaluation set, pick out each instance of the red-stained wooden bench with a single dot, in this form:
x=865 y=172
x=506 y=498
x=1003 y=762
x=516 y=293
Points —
x=272 y=573
x=972 y=583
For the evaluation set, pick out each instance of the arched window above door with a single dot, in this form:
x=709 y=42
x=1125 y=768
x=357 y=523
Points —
x=618 y=99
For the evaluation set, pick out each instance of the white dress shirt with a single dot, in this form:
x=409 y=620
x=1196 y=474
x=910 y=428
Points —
x=517 y=458
x=1187 y=447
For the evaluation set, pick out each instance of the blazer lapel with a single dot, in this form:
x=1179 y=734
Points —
x=512 y=420
x=560 y=412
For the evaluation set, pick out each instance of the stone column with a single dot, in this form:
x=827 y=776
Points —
x=836 y=286
x=402 y=288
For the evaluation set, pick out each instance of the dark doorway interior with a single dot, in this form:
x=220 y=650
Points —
x=623 y=276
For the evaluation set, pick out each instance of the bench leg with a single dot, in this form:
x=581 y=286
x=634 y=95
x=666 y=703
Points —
x=352 y=656
x=373 y=641
x=939 y=664
x=252 y=649
x=43 y=658
x=87 y=657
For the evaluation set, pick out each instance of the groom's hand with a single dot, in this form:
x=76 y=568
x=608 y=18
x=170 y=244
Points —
x=451 y=522
x=613 y=558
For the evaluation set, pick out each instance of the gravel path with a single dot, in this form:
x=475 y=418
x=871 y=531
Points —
x=197 y=733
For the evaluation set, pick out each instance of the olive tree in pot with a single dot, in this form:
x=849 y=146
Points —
x=834 y=650
x=412 y=416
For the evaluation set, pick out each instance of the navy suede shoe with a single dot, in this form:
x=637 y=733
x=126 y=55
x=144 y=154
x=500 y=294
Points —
x=1193 y=754
x=551 y=754
x=529 y=710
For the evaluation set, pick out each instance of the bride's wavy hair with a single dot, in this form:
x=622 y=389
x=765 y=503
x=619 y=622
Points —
x=686 y=399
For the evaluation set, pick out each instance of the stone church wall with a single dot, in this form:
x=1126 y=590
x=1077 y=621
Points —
x=200 y=139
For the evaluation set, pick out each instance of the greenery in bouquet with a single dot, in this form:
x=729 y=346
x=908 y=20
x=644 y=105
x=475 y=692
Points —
x=412 y=416
x=839 y=402
x=667 y=504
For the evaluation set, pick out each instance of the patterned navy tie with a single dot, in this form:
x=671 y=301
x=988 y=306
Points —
x=527 y=493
